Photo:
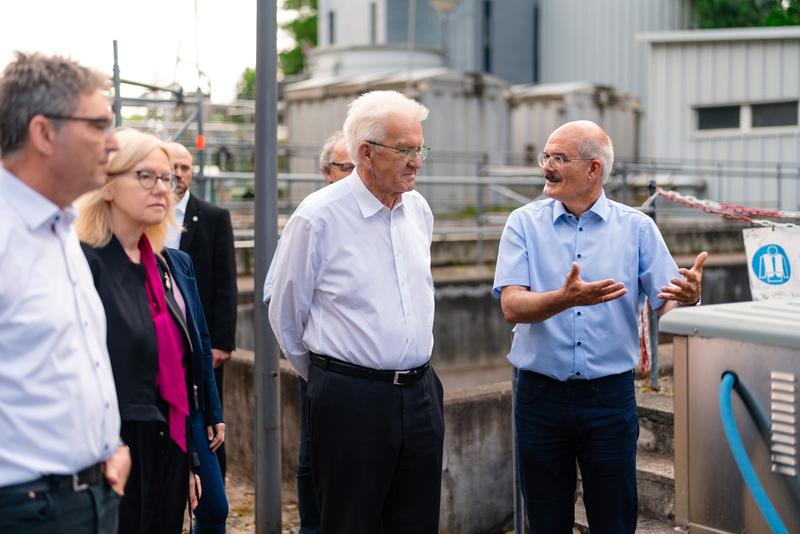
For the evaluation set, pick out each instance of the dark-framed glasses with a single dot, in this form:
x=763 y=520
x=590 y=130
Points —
x=104 y=123
x=344 y=167
x=556 y=160
x=406 y=152
x=148 y=179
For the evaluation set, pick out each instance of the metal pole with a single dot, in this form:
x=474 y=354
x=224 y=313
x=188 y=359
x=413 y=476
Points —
x=267 y=370
x=519 y=510
x=117 y=95
x=200 y=147
x=654 y=371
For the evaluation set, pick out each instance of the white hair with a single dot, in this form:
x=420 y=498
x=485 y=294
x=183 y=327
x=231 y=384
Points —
x=595 y=144
x=369 y=114
x=595 y=148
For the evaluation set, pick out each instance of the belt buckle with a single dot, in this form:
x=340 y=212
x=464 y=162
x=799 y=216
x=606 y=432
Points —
x=397 y=375
x=77 y=485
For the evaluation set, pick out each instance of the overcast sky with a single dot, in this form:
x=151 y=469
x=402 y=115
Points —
x=152 y=35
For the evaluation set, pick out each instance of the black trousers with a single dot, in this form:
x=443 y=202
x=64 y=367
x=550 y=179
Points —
x=219 y=375
x=158 y=486
x=376 y=453
x=61 y=511
x=591 y=421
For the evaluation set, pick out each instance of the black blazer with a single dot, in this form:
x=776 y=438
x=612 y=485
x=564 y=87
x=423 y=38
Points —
x=208 y=239
x=131 y=337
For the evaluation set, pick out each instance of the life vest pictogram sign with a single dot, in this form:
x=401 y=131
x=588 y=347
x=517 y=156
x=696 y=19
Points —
x=773 y=260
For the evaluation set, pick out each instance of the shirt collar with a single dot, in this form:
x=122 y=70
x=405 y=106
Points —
x=181 y=205
x=367 y=202
x=32 y=207
x=599 y=208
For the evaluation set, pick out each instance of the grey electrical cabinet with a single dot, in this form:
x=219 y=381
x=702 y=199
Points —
x=760 y=342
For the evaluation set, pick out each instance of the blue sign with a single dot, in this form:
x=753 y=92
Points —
x=771 y=265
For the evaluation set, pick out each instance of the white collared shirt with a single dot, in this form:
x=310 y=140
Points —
x=174 y=232
x=352 y=279
x=58 y=404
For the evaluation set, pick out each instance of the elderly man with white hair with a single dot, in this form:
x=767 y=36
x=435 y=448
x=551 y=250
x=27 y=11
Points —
x=352 y=308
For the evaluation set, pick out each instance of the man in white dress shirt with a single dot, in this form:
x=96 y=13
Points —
x=352 y=308
x=62 y=467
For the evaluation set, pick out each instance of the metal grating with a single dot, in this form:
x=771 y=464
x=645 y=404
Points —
x=783 y=442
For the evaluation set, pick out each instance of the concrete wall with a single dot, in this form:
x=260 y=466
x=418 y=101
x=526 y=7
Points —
x=476 y=473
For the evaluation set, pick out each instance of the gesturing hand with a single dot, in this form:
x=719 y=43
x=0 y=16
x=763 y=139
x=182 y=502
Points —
x=580 y=293
x=686 y=291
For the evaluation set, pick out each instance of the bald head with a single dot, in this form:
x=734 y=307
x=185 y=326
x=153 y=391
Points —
x=182 y=167
x=592 y=142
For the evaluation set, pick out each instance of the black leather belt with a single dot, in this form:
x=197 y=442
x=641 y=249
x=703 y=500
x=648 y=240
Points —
x=79 y=481
x=398 y=378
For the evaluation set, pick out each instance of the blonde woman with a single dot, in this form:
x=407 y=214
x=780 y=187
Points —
x=157 y=337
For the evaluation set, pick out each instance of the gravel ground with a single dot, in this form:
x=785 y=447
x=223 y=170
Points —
x=241 y=515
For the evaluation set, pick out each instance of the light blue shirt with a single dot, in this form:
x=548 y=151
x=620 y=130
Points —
x=610 y=240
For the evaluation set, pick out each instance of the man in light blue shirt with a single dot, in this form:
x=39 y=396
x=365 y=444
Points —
x=572 y=274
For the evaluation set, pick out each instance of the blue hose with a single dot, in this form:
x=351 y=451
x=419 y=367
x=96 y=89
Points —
x=740 y=456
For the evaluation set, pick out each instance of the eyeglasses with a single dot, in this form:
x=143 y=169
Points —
x=104 y=124
x=406 y=152
x=344 y=167
x=148 y=179
x=557 y=160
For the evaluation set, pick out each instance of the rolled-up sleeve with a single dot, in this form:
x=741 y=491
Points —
x=296 y=267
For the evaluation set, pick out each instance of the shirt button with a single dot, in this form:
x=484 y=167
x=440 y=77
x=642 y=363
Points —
x=580 y=229
x=579 y=343
x=579 y=313
x=579 y=255
x=578 y=373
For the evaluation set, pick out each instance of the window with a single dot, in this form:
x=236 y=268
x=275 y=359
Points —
x=748 y=117
x=715 y=118
x=774 y=114
x=487 y=36
x=331 y=27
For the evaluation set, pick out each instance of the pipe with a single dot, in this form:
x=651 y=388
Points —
x=740 y=456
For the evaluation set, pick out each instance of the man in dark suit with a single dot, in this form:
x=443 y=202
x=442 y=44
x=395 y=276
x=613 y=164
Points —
x=208 y=239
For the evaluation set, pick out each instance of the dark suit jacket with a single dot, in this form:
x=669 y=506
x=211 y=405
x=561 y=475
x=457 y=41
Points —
x=131 y=338
x=208 y=239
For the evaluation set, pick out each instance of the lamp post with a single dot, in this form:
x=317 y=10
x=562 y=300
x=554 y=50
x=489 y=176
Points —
x=444 y=7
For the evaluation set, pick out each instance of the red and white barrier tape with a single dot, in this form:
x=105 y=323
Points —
x=730 y=211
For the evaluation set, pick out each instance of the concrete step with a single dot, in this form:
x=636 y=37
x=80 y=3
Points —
x=656 y=417
x=655 y=477
x=645 y=525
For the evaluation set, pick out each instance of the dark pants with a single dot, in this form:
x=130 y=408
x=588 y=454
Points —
x=158 y=486
x=306 y=498
x=593 y=422
x=376 y=453
x=61 y=511
x=212 y=510
x=222 y=459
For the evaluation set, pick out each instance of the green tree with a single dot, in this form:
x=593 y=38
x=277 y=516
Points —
x=744 y=13
x=303 y=29
x=246 y=86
